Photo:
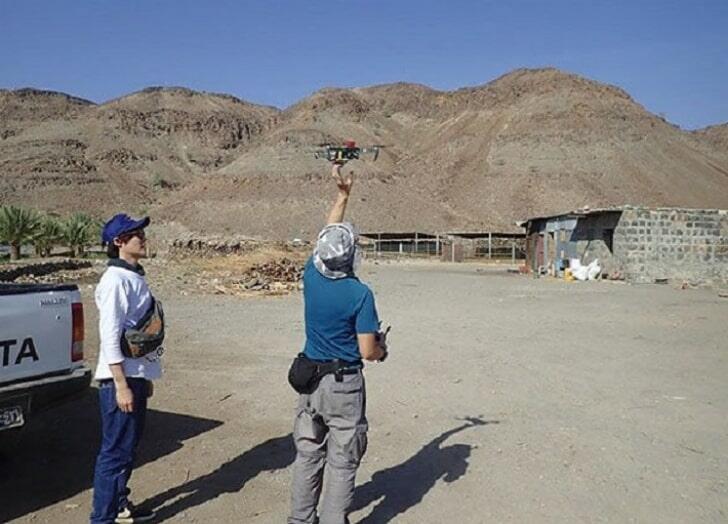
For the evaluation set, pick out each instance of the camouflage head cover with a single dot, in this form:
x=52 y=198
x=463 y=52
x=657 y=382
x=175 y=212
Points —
x=336 y=253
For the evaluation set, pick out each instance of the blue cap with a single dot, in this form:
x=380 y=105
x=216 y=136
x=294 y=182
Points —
x=120 y=224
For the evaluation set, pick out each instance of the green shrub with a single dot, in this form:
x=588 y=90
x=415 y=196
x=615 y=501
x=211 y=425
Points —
x=47 y=235
x=79 y=232
x=17 y=227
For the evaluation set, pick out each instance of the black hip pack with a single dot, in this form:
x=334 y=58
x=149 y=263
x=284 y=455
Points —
x=147 y=335
x=304 y=374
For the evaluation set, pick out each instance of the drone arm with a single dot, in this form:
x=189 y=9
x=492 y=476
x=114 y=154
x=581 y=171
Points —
x=373 y=150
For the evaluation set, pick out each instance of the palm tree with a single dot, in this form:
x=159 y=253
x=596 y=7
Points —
x=79 y=231
x=48 y=233
x=17 y=226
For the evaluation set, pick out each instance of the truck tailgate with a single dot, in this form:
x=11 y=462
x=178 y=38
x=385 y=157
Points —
x=36 y=333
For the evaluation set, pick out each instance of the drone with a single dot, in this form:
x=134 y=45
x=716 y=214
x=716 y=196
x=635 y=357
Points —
x=349 y=151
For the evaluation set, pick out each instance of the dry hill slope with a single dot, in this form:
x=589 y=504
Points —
x=716 y=135
x=713 y=141
x=126 y=152
x=545 y=141
x=530 y=142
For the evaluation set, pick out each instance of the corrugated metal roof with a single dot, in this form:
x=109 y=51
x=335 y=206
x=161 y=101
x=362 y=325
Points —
x=586 y=210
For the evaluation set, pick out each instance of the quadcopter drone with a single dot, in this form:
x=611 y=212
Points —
x=349 y=151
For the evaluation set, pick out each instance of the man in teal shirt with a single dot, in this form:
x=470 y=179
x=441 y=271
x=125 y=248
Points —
x=342 y=328
x=337 y=311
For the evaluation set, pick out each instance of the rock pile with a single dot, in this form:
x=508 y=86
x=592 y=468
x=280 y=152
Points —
x=210 y=246
x=205 y=247
x=81 y=276
x=46 y=272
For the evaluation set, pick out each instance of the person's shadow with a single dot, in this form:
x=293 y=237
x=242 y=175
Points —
x=273 y=454
x=405 y=485
x=53 y=458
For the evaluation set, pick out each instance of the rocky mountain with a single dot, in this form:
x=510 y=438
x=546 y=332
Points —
x=479 y=158
x=61 y=153
x=715 y=135
x=714 y=142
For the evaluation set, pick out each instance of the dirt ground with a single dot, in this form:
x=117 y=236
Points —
x=505 y=399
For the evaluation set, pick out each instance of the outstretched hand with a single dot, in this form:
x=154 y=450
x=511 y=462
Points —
x=344 y=184
x=381 y=337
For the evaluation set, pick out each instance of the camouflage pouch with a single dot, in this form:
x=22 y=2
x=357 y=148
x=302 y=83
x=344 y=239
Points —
x=148 y=334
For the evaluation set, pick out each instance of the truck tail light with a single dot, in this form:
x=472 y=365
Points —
x=77 y=337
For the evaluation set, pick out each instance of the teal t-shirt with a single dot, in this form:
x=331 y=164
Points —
x=335 y=312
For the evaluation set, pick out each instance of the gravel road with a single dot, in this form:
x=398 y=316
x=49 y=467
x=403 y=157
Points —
x=505 y=399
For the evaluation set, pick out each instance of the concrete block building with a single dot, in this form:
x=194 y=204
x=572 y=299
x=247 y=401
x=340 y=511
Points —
x=637 y=243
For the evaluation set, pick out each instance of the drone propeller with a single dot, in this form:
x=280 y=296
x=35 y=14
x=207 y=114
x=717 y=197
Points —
x=372 y=149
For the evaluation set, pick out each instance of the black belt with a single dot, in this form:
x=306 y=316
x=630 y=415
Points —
x=106 y=382
x=337 y=367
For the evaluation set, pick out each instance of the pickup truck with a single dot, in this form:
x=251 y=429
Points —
x=41 y=349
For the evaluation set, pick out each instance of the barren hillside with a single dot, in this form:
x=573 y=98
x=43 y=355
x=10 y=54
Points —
x=64 y=153
x=715 y=135
x=713 y=141
x=530 y=142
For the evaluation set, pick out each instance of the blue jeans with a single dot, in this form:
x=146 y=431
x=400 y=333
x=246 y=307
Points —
x=120 y=434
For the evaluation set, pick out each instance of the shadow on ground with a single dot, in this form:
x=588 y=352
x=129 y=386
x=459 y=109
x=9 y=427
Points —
x=402 y=487
x=273 y=454
x=53 y=459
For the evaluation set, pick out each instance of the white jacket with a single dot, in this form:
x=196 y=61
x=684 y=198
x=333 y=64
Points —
x=122 y=297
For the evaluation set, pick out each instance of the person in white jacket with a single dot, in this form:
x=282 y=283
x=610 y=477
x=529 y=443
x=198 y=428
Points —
x=122 y=298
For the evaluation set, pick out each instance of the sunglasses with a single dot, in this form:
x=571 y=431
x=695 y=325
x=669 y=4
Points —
x=131 y=234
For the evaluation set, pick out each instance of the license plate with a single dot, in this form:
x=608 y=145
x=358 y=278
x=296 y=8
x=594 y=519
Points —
x=11 y=417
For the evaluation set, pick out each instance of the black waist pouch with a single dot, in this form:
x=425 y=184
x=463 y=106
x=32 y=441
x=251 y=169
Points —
x=303 y=375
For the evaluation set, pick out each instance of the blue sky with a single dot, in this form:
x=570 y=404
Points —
x=671 y=56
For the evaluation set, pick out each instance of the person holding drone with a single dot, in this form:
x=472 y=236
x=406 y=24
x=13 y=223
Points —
x=342 y=329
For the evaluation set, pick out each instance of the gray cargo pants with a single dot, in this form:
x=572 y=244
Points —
x=330 y=431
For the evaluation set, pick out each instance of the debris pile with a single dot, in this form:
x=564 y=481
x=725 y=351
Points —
x=280 y=275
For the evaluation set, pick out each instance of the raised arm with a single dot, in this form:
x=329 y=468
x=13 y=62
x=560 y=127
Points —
x=342 y=198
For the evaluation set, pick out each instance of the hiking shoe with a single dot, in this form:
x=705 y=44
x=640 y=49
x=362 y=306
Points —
x=132 y=515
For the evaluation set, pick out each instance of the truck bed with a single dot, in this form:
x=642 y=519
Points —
x=21 y=289
x=41 y=349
